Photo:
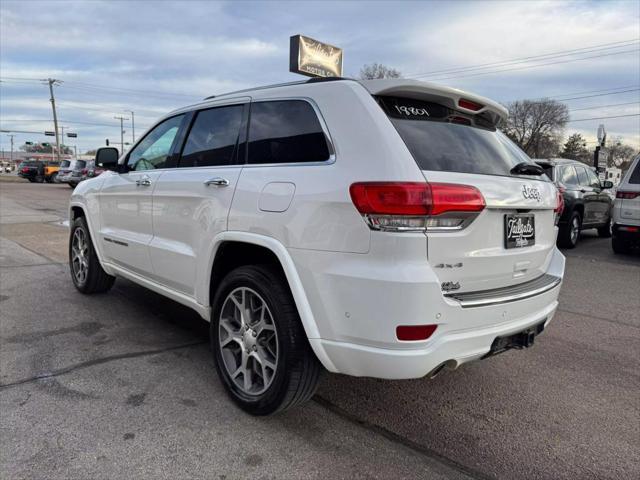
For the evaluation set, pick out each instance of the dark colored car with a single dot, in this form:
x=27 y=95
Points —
x=32 y=170
x=586 y=203
x=92 y=170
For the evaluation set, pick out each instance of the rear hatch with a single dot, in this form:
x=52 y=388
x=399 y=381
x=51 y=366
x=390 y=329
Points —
x=511 y=240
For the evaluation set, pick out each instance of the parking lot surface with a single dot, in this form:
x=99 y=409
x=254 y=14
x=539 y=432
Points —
x=122 y=385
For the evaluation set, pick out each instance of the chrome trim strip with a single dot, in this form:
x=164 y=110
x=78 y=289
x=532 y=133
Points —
x=507 y=294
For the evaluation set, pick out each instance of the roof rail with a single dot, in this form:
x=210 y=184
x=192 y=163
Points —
x=285 y=84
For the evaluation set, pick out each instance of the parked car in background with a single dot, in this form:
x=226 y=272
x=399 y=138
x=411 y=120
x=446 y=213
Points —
x=32 y=170
x=51 y=169
x=94 y=170
x=587 y=204
x=88 y=171
x=296 y=219
x=77 y=173
x=64 y=174
x=6 y=167
x=626 y=211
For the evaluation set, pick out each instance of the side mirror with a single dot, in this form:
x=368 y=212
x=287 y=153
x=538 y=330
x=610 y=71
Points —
x=606 y=184
x=107 y=158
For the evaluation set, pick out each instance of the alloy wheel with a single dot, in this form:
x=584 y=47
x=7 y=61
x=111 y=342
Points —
x=248 y=341
x=80 y=255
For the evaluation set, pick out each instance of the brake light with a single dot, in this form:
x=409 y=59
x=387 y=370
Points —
x=409 y=333
x=84 y=171
x=25 y=169
x=469 y=105
x=627 y=195
x=416 y=206
x=559 y=204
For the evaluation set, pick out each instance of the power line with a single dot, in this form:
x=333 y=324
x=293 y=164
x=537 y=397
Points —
x=603 y=118
x=598 y=95
x=594 y=107
x=535 y=66
x=559 y=53
x=594 y=91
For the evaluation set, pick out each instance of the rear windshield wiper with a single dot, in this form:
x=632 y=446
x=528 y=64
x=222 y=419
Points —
x=526 y=168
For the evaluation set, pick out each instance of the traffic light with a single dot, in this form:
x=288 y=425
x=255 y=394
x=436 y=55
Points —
x=107 y=142
x=46 y=145
x=28 y=143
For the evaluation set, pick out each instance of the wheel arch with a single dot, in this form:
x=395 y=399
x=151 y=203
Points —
x=232 y=249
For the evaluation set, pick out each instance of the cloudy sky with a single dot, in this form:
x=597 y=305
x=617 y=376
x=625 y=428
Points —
x=153 y=56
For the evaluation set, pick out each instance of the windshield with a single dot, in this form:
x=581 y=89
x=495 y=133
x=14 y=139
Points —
x=443 y=139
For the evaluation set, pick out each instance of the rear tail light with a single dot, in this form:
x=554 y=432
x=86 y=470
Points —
x=84 y=171
x=411 y=333
x=559 y=204
x=627 y=195
x=416 y=206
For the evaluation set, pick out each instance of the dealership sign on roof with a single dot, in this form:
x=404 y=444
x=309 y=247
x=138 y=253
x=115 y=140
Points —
x=313 y=58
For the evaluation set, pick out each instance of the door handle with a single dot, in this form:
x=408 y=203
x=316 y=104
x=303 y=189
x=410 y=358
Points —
x=143 y=182
x=217 y=181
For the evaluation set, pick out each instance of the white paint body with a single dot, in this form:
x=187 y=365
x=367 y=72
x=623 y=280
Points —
x=352 y=285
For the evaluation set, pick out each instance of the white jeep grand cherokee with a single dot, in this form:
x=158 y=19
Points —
x=379 y=228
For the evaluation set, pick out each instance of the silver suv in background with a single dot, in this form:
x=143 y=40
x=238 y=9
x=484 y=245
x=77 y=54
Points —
x=626 y=211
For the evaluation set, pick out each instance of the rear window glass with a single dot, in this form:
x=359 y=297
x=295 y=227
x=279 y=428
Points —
x=80 y=164
x=65 y=163
x=286 y=131
x=635 y=175
x=442 y=139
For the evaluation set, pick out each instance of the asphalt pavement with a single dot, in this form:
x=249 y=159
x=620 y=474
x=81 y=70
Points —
x=121 y=385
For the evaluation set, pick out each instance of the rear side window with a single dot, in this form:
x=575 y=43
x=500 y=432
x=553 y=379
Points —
x=213 y=138
x=583 y=179
x=286 y=131
x=443 y=139
x=635 y=175
x=594 y=181
x=568 y=175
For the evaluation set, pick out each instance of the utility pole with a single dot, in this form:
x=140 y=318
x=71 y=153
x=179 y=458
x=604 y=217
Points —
x=133 y=127
x=11 y=155
x=52 y=82
x=122 y=119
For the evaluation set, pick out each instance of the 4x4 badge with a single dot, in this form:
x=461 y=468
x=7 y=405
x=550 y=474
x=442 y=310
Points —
x=531 y=192
x=450 y=286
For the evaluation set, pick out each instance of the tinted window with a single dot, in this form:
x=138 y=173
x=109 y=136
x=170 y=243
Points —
x=65 y=163
x=568 y=176
x=635 y=176
x=443 y=139
x=583 y=179
x=80 y=164
x=285 y=132
x=213 y=137
x=153 y=150
x=594 y=181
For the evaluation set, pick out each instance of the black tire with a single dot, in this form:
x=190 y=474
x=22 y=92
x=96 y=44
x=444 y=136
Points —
x=95 y=280
x=31 y=180
x=297 y=369
x=72 y=185
x=620 y=246
x=39 y=179
x=605 y=230
x=567 y=238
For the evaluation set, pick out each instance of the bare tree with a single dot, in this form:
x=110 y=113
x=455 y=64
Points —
x=537 y=126
x=620 y=154
x=377 y=70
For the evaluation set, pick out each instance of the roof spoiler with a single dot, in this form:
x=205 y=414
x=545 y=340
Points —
x=465 y=102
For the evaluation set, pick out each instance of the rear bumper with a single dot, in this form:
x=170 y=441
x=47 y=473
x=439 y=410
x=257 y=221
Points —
x=452 y=349
x=630 y=233
x=357 y=316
